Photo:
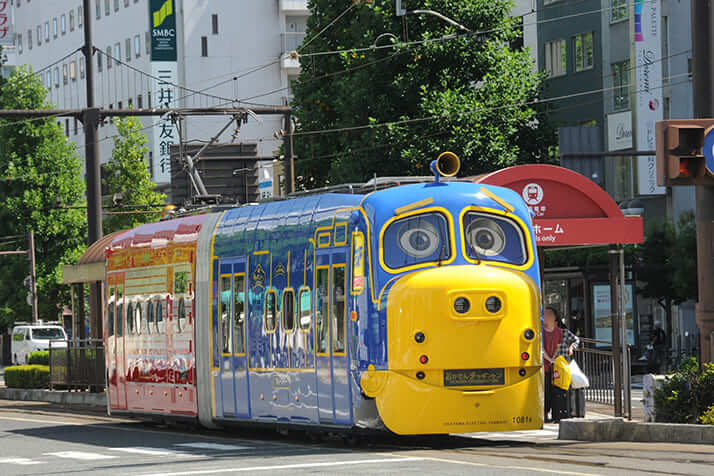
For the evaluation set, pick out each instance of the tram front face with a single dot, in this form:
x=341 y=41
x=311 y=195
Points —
x=463 y=324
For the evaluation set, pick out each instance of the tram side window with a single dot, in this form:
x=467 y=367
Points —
x=130 y=318
x=305 y=309
x=270 y=311
x=181 y=314
x=145 y=323
x=338 y=308
x=288 y=310
x=137 y=318
x=225 y=314
x=159 y=315
x=152 y=317
x=238 y=314
x=120 y=312
x=322 y=304
x=110 y=312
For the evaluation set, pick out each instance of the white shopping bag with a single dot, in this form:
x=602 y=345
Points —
x=578 y=378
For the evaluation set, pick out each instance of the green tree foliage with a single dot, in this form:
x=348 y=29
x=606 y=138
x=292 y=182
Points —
x=39 y=172
x=476 y=91
x=667 y=263
x=127 y=173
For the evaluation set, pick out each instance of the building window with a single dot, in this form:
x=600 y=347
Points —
x=621 y=84
x=116 y=5
x=117 y=53
x=556 y=58
x=204 y=46
x=98 y=4
x=47 y=31
x=109 y=57
x=48 y=79
x=130 y=103
x=137 y=45
x=127 y=49
x=55 y=30
x=148 y=99
x=19 y=43
x=80 y=17
x=139 y=102
x=76 y=125
x=81 y=67
x=119 y=105
x=107 y=8
x=618 y=10
x=147 y=40
x=56 y=76
x=29 y=39
x=71 y=20
x=73 y=71
x=63 y=23
x=126 y=3
x=583 y=51
x=66 y=127
x=214 y=24
x=39 y=35
x=99 y=62
x=65 y=75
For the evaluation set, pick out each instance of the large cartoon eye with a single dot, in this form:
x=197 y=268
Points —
x=418 y=239
x=486 y=237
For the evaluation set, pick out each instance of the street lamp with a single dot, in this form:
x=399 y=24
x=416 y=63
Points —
x=402 y=11
x=244 y=172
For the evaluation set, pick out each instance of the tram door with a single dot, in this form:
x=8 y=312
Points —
x=330 y=329
x=234 y=375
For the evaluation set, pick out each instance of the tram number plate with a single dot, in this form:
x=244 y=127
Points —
x=470 y=377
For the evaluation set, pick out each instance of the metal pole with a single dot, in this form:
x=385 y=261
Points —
x=290 y=172
x=615 y=330
x=623 y=333
x=703 y=64
x=33 y=274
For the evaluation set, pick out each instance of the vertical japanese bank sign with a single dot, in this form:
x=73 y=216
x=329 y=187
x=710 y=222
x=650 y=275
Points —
x=164 y=69
x=7 y=32
x=648 y=89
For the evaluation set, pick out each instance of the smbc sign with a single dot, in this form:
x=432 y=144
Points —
x=162 y=24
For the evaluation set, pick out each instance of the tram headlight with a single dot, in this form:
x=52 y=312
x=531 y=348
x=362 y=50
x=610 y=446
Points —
x=462 y=305
x=493 y=304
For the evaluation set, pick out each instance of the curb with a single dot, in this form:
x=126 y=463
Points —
x=616 y=429
x=62 y=398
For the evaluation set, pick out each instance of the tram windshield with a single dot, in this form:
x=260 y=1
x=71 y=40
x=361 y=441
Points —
x=494 y=238
x=417 y=239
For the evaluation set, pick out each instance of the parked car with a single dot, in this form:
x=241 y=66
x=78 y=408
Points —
x=28 y=338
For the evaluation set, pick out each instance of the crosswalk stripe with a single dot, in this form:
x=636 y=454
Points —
x=80 y=455
x=22 y=461
x=144 y=450
x=213 y=446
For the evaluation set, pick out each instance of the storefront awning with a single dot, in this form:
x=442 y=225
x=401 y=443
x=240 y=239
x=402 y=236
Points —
x=568 y=208
x=91 y=266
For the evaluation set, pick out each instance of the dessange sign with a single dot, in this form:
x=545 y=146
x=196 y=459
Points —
x=619 y=131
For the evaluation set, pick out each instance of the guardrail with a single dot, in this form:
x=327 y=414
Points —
x=596 y=360
x=78 y=366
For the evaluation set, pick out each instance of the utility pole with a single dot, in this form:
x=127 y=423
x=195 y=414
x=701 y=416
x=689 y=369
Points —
x=90 y=120
x=615 y=326
x=33 y=274
x=702 y=73
x=289 y=156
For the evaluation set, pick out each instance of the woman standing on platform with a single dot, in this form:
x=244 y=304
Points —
x=556 y=341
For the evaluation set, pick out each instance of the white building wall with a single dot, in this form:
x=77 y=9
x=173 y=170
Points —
x=249 y=35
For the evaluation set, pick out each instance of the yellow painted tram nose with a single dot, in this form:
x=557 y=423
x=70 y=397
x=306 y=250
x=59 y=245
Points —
x=463 y=350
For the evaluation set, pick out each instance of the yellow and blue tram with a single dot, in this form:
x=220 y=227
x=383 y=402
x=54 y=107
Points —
x=413 y=309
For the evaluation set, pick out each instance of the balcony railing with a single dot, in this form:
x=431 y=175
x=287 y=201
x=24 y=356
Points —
x=294 y=6
x=291 y=41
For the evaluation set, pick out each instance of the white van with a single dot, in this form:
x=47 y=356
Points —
x=28 y=338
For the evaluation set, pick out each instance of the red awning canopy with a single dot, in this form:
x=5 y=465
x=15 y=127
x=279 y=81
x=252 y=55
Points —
x=568 y=208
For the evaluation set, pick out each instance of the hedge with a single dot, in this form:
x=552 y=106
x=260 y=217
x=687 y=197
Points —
x=687 y=396
x=39 y=357
x=27 y=376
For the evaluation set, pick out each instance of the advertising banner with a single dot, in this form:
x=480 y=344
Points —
x=648 y=89
x=619 y=131
x=164 y=69
x=603 y=315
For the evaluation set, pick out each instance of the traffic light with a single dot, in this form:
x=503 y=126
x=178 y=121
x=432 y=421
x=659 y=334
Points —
x=685 y=152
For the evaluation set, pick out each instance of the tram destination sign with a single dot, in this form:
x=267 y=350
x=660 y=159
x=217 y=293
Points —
x=472 y=377
x=162 y=23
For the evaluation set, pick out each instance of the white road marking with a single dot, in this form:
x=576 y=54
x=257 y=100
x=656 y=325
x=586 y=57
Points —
x=143 y=450
x=23 y=461
x=290 y=466
x=523 y=468
x=80 y=455
x=213 y=446
x=41 y=421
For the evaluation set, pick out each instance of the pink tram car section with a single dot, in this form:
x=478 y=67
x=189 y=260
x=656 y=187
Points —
x=151 y=358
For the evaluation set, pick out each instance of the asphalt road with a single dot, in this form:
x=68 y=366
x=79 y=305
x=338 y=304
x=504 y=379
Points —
x=42 y=439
